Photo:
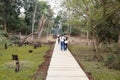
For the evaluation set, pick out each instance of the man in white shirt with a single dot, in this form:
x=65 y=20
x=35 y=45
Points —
x=62 y=39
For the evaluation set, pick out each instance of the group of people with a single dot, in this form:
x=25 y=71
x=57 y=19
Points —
x=63 y=41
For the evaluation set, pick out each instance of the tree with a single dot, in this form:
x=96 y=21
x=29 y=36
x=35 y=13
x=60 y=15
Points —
x=10 y=11
x=9 y=18
x=42 y=9
x=96 y=14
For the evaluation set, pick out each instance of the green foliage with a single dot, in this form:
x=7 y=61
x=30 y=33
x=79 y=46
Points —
x=57 y=20
x=3 y=38
x=64 y=27
x=29 y=62
x=42 y=9
x=3 y=33
x=100 y=17
x=113 y=59
x=75 y=32
x=14 y=37
x=107 y=34
x=108 y=31
x=11 y=12
x=110 y=59
x=11 y=16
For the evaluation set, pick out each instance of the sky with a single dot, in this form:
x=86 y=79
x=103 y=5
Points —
x=55 y=5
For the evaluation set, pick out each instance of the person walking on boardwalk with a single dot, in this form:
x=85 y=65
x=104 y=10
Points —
x=58 y=38
x=62 y=39
x=66 y=43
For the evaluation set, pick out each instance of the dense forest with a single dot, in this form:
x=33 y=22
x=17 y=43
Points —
x=21 y=15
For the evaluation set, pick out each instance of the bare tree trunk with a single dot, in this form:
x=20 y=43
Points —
x=95 y=49
x=23 y=40
x=70 y=31
x=5 y=28
x=40 y=30
x=87 y=37
x=94 y=45
x=20 y=36
x=5 y=15
x=97 y=56
x=48 y=32
x=33 y=20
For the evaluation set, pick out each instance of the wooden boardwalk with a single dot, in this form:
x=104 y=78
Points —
x=63 y=66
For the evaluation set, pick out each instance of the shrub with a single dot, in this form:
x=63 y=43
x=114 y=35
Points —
x=113 y=59
x=4 y=33
x=14 y=37
x=116 y=63
x=110 y=59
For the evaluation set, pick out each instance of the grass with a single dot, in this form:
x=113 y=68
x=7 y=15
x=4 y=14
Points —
x=29 y=62
x=97 y=69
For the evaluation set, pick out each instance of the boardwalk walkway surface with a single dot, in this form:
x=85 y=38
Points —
x=63 y=66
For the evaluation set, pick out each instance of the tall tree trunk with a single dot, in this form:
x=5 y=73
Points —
x=5 y=13
x=33 y=20
x=5 y=28
x=95 y=48
x=87 y=37
x=48 y=30
x=70 y=31
x=41 y=25
x=104 y=10
x=97 y=56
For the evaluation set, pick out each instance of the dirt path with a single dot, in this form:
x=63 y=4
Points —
x=41 y=73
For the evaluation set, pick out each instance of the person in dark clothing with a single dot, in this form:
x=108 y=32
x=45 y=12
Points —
x=66 y=43
x=58 y=37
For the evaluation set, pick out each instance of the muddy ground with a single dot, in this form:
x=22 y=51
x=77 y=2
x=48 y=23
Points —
x=41 y=72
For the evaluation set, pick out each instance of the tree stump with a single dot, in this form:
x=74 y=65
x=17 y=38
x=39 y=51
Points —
x=15 y=57
x=17 y=68
x=30 y=51
x=35 y=46
x=5 y=46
